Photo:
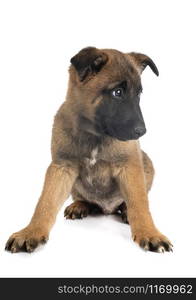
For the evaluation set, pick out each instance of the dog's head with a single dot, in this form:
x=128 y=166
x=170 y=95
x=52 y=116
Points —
x=107 y=86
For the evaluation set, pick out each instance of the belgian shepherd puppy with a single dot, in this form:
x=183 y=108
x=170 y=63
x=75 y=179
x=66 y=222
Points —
x=96 y=155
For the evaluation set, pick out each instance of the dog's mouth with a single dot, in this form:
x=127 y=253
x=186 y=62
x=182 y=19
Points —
x=124 y=132
x=126 y=135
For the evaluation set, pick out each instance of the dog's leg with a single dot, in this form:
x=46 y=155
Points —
x=58 y=183
x=80 y=208
x=77 y=210
x=123 y=212
x=132 y=183
x=148 y=170
x=149 y=175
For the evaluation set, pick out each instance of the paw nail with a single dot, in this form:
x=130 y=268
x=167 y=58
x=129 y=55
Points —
x=13 y=250
x=161 y=249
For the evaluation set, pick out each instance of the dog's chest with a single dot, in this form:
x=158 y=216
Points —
x=96 y=174
x=92 y=160
x=96 y=182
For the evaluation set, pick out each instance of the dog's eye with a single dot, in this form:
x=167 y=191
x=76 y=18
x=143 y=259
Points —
x=117 y=93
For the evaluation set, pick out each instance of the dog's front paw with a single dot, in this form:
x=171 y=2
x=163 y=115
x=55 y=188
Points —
x=153 y=242
x=26 y=240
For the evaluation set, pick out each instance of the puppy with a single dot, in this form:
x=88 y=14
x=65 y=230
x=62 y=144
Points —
x=96 y=156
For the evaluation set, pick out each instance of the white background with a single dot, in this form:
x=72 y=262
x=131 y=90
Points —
x=38 y=38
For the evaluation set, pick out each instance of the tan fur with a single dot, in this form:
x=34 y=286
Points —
x=133 y=184
x=58 y=183
x=110 y=176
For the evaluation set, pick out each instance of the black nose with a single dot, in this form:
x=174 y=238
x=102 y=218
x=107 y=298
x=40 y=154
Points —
x=139 y=131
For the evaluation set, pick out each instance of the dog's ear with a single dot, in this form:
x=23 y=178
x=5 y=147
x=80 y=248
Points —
x=88 y=61
x=142 y=60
